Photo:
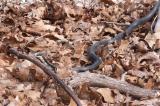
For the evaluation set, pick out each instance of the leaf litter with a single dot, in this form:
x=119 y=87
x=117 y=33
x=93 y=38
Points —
x=64 y=30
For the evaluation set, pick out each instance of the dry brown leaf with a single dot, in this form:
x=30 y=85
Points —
x=157 y=44
x=148 y=1
x=117 y=28
x=110 y=30
x=73 y=11
x=141 y=47
x=119 y=98
x=95 y=31
x=4 y=30
x=54 y=12
x=150 y=56
x=37 y=13
x=83 y=26
x=118 y=71
x=88 y=93
x=107 y=94
x=141 y=82
x=61 y=36
x=84 y=103
x=4 y=62
x=50 y=96
x=21 y=87
x=27 y=71
x=135 y=15
x=72 y=103
x=149 y=84
x=108 y=1
x=79 y=47
x=65 y=52
x=34 y=95
x=140 y=74
x=123 y=47
x=41 y=26
x=107 y=69
x=151 y=38
x=86 y=3
x=132 y=79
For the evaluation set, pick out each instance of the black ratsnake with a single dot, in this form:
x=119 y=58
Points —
x=96 y=61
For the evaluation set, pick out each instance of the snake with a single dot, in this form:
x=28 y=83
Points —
x=91 y=52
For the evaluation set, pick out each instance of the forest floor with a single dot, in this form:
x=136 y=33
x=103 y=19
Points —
x=62 y=31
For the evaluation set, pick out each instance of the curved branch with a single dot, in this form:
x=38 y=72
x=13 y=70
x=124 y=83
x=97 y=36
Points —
x=99 y=80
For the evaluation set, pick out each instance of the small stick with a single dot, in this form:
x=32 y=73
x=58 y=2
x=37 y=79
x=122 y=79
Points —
x=48 y=71
x=121 y=24
x=99 y=80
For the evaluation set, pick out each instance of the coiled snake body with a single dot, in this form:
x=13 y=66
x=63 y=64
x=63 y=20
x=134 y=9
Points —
x=96 y=61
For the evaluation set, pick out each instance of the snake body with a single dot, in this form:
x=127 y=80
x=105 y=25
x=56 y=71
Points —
x=91 y=52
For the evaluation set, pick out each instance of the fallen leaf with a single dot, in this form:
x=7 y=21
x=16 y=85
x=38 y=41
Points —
x=150 y=56
x=110 y=30
x=41 y=26
x=139 y=73
x=34 y=95
x=123 y=47
x=149 y=84
x=107 y=94
x=157 y=44
x=79 y=47
x=151 y=38
x=131 y=79
x=37 y=13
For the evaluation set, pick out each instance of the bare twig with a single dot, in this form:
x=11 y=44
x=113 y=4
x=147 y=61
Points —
x=30 y=31
x=121 y=24
x=104 y=81
x=48 y=71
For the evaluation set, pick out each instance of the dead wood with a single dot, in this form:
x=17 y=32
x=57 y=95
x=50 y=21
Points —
x=48 y=71
x=104 y=81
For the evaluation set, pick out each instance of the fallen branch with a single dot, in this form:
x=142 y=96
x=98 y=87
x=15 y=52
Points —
x=48 y=71
x=104 y=81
